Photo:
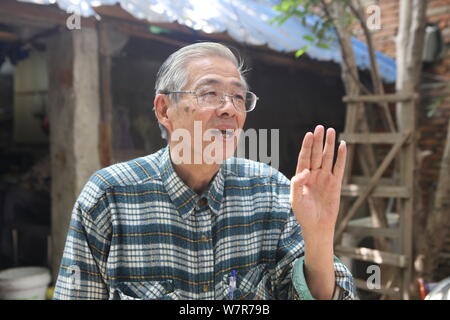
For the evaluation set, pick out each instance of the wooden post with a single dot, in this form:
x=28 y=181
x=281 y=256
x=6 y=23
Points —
x=74 y=118
x=409 y=59
x=105 y=128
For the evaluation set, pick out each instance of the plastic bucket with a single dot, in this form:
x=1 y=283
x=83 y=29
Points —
x=25 y=283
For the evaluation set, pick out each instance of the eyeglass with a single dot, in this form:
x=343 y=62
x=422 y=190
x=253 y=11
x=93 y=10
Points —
x=245 y=102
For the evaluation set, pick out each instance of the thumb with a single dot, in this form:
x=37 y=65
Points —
x=297 y=183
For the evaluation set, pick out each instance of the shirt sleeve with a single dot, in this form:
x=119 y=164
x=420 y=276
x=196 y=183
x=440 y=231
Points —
x=291 y=282
x=82 y=274
x=343 y=290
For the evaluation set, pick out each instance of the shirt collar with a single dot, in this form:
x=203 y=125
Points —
x=182 y=196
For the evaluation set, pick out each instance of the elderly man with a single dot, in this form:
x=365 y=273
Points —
x=168 y=226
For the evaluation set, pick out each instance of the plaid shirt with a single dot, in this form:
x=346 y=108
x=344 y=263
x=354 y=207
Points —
x=138 y=232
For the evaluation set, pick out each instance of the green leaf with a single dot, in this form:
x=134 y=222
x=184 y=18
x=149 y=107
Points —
x=323 y=45
x=276 y=7
x=274 y=19
x=285 y=5
x=283 y=19
x=299 y=13
x=302 y=51
x=307 y=37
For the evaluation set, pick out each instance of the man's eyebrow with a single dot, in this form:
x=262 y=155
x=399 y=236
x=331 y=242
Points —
x=207 y=81
x=210 y=81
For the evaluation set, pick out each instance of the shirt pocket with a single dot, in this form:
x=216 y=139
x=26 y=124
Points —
x=251 y=284
x=146 y=290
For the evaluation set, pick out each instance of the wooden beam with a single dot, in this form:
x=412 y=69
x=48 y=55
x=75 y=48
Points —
x=361 y=231
x=373 y=138
x=372 y=255
x=445 y=255
x=366 y=180
x=399 y=97
x=380 y=191
x=303 y=63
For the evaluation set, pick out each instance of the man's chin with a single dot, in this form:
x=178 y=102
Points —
x=219 y=157
x=219 y=151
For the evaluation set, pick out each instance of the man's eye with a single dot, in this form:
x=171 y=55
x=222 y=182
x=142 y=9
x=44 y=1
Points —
x=210 y=93
x=239 y=97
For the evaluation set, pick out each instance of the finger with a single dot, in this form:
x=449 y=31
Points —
x=317 y=149
x=328 y=151
x=304 y=156
x=340 y=161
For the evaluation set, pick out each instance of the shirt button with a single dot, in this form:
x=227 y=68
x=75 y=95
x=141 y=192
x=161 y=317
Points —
x=202 y=202
x=204 y=238
x=205 y=288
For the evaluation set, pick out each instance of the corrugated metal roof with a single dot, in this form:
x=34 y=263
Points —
x=245 y=21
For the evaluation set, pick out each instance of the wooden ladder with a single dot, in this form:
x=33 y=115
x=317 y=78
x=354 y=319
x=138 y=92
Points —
x=357 y=190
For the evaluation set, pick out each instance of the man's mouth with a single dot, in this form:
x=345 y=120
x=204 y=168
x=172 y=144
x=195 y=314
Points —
x=225 y=133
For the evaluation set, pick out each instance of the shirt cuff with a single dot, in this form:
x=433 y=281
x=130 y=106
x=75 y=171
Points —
x=300 y=285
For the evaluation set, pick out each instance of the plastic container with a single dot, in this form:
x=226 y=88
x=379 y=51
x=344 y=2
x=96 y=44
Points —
x=25 y=283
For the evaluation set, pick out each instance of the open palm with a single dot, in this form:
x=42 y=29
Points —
x=316 y=187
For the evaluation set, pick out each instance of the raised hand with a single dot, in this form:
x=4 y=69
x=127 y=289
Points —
x=316 y=187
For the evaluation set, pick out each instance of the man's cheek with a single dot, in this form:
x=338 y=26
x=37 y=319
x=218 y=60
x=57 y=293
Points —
x=242 y=120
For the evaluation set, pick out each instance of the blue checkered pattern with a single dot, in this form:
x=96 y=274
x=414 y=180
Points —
x=138 y=232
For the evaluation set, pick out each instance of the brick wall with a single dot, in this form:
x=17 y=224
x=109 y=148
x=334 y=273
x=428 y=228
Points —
x=432 y=127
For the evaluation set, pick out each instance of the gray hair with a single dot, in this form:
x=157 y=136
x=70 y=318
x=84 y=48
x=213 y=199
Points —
x=172 y=75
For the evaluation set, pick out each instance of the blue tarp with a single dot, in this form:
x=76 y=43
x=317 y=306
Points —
x=246 y=21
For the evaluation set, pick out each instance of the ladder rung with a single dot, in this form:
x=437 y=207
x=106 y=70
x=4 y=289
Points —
x=365 y=180
x=372 y=255
x=362 y=284
x=375 y=138
x=445 y=255
x=382 y=191
x=399 y=97
x=371 y=231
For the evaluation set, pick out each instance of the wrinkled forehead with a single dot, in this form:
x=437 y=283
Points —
x=214 y=70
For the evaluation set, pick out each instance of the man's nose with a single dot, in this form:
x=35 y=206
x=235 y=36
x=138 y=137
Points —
x=227 y=108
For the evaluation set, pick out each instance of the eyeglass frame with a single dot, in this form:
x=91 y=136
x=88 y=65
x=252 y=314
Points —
x=222 y=100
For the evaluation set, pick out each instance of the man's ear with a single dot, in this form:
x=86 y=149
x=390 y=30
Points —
x=161 y=105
